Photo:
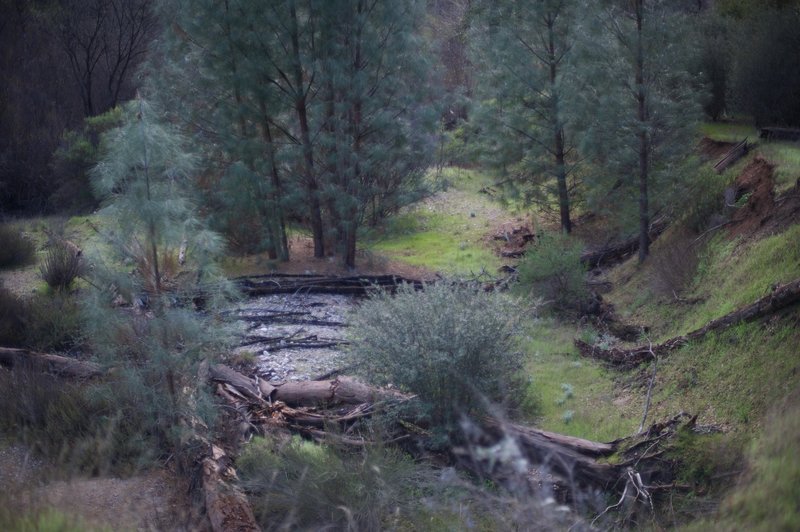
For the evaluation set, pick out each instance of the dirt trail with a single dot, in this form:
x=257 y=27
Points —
x=150 y=501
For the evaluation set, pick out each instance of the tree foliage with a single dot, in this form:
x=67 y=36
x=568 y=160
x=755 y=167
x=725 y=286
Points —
x=141 y=315
x=529 y=89
x=642 y=110
x=767 y=71
x=316 y=108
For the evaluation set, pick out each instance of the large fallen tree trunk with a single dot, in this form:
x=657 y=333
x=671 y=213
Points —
x=730 y=158
x=338 y=391
x=616 y=252
x=45 y=362
x=781 y=297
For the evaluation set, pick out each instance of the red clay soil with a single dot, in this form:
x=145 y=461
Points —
x=763 y=214
x=714 y=149
x=756 y=180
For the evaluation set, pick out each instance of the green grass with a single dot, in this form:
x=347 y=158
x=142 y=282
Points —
x=47 y=520
x=730 y=378
x=728 y=131
x=446 y=232
x=786 y=157
x=731 y=274
x=767 y=498
x=441 y=242
x=563 y=382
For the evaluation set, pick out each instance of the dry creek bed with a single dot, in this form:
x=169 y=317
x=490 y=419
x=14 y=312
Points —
x=294 y=337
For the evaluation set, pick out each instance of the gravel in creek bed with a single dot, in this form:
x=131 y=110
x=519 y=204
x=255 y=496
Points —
x=276 y=360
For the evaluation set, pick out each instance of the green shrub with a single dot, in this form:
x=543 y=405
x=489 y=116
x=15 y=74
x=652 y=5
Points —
x=15 y=249
x=43 y=322
x=62 y=265
x=704 y=203
x=52 y=322
x=42 y=410
x=553 y=270
x=12 y=326
x=452 y=345
x=307 y=486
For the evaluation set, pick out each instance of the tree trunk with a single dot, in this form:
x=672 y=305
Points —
x=300 y=105
x=617 y=252
x=781 y=297
x=281 y=241
x=226 y=505
x=644 y=141
x=560 y=156
x=59 y=365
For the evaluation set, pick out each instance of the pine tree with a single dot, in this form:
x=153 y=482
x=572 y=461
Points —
x=374 y=147
x=317 y=101
x=526 y=49
x=642 y=111
x=144 y=321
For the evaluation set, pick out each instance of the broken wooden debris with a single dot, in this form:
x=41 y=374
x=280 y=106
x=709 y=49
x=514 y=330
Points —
x=617 y=252
x=780 y=297
x=307 y=284
x=730 y=158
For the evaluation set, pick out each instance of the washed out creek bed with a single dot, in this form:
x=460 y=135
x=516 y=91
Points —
x=294 y=337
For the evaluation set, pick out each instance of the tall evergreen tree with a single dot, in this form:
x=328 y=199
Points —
x=374 y=145
x=144 y=321
x=318 y=103
x=642 y=111
x=527 y=48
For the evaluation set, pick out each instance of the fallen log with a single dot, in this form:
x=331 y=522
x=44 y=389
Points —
x=48 y=363
x=617 y=252
x=735 y=153
x=338 y=391
x=305 y=284
x=779 y=298
x=226 y=505
x=579 y=464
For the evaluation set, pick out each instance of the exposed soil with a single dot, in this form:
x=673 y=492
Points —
x=756 y=180
x=714 y=149
x=510 y=238
x=156 y=500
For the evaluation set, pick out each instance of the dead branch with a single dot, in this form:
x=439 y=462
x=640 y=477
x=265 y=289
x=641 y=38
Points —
x=781 y=297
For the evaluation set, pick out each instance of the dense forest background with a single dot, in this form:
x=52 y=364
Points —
x=65 y=62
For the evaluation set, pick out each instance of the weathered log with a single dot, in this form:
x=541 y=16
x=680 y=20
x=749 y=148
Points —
x=338 y=391
x=356 y=286
x=778 y=299
x=57 y=364
x=617 y=252
x=226 y=505
x=735 y=153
